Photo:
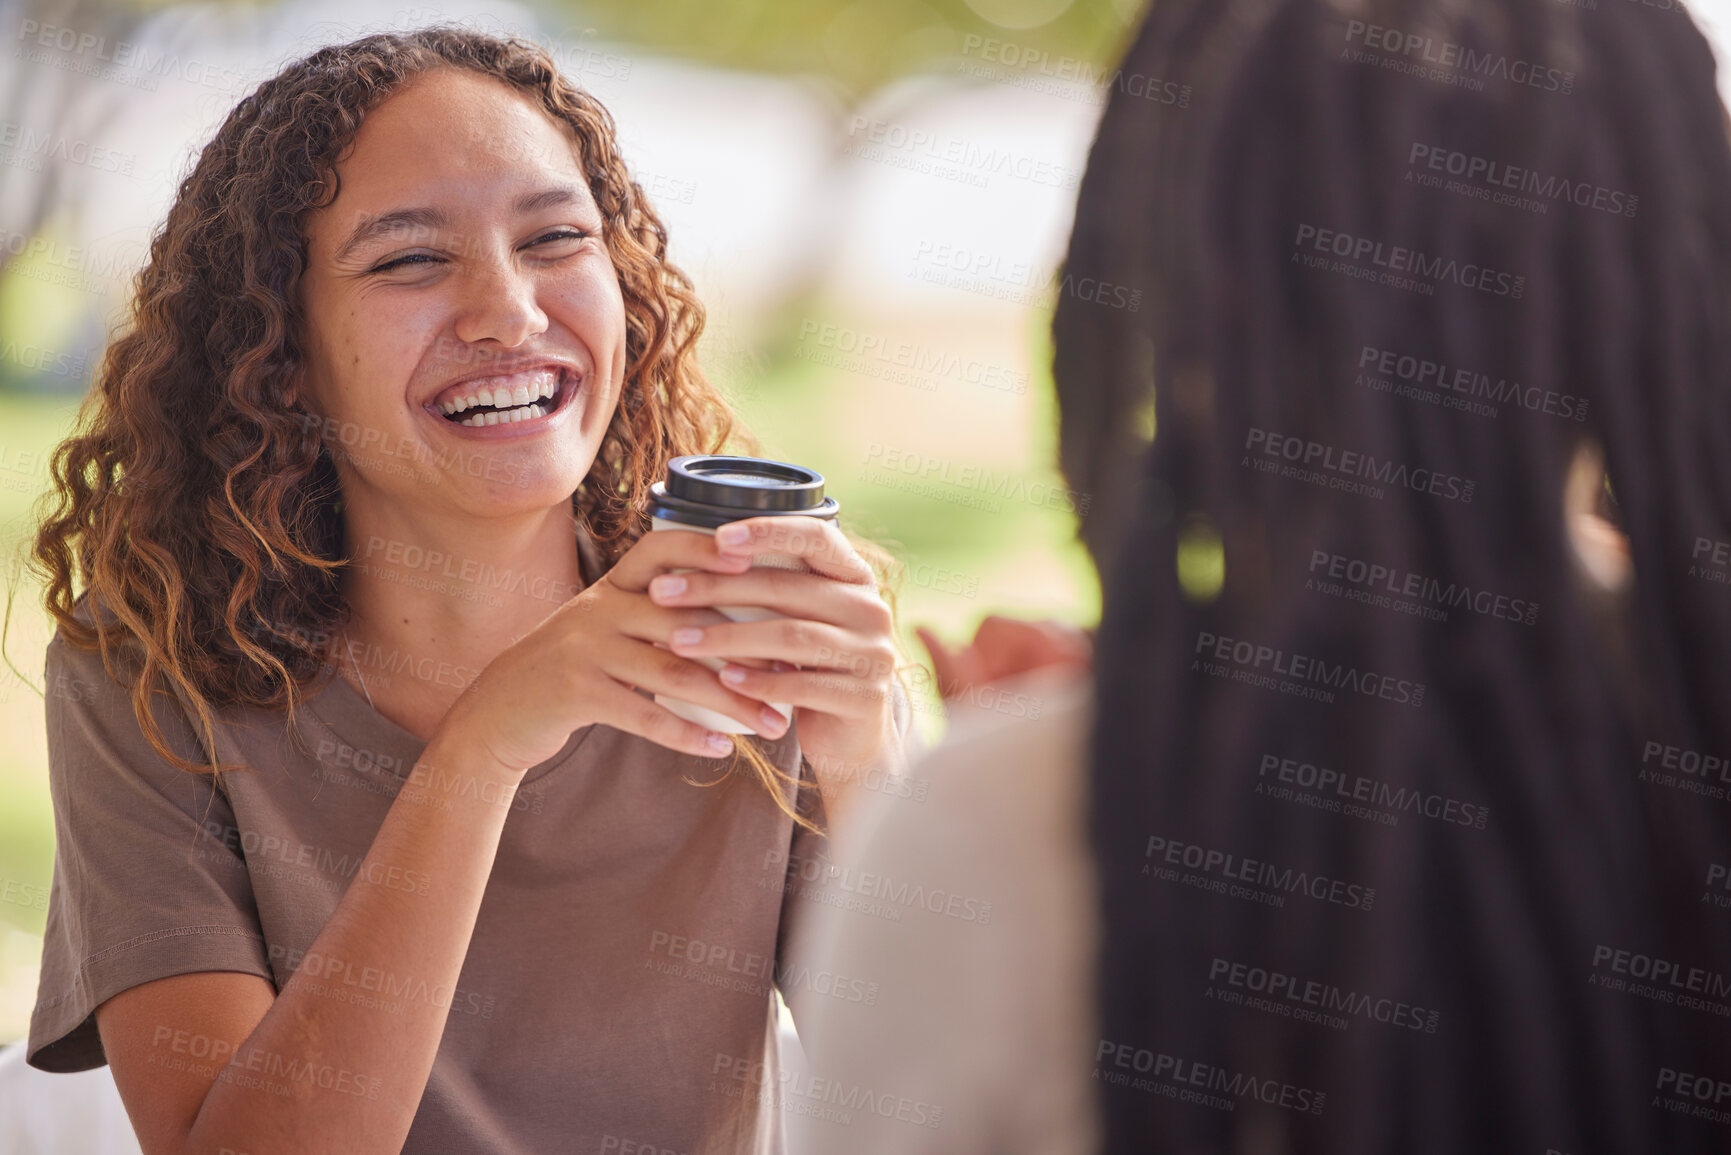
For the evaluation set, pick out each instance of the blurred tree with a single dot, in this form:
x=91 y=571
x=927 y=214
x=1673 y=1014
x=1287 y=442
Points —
x=859 y=44
x=47 y=99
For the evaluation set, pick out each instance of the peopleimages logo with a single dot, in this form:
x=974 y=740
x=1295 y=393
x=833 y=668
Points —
x=1299 y=674
x=1401 y=267
x=1440 y=59
x=1388 y=587
x=75 y=267
x=1661 y=979
x=1700 y=1088
x=1337 y=786
x=1038 y=70
x=37 y=144
x=1347 y=469
x=958 y=158
x=137 y=65
x=1458 y=387
x=1495 y=177
x=1190 y=1081
x=1224 y=865
x=1309 y=1000
x=801 y=1093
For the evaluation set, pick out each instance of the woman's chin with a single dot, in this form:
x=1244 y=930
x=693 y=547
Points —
x=525 y=496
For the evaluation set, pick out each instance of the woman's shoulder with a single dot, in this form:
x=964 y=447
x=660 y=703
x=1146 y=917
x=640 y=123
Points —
x=91 y=702
x=78 y=655
x=98 y=650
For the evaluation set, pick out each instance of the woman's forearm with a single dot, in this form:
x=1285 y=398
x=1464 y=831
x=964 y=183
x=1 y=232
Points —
x=358 y=1070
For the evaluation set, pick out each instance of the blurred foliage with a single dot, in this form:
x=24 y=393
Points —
x=858 y=45
x=31 y=424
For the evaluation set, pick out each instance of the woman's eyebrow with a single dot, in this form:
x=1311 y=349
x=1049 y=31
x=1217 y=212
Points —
x=424 y=219
x=428 y=219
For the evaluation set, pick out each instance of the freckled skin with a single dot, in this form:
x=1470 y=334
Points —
x=476 y=280
x=486 y=284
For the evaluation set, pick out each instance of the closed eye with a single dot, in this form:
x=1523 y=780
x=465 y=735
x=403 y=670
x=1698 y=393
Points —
x=561 y=235
x=396 y=262
x=431 y=258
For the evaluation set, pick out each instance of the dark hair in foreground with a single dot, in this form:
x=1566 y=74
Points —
x=198 y=500
x=1497 y=939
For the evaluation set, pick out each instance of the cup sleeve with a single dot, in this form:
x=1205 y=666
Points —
x=149 y=880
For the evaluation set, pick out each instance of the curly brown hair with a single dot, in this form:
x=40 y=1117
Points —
x=198 y=500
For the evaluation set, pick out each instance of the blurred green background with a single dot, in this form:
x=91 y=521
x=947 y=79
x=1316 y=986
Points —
x=807 y=401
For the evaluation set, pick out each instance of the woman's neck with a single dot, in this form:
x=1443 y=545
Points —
x=432 y=602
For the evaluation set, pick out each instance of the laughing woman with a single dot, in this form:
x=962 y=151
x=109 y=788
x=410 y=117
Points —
x=371 y=837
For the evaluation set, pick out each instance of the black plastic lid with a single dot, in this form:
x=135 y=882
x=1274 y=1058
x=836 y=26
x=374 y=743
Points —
x=711 y=489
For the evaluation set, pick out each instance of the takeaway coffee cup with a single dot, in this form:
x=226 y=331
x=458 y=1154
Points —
x=704 y=492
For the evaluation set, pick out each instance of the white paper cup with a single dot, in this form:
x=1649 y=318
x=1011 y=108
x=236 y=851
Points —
x=703 y=492
x=703 y=715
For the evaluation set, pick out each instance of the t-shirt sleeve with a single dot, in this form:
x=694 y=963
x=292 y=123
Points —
x=146 y=881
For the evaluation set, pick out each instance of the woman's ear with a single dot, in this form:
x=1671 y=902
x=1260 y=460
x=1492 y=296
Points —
x=1599 y=545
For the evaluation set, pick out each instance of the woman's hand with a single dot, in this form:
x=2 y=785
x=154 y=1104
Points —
x=580 y=665
x=835 y=629
x=1004 y=647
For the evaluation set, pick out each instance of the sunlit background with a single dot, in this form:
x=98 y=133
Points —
x=872 y=197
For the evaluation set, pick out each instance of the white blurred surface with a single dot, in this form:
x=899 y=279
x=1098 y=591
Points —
x=60 y=1114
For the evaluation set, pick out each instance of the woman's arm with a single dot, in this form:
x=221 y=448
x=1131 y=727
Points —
x=369 y=1067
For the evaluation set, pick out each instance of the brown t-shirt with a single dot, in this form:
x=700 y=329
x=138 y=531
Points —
x=617 y=992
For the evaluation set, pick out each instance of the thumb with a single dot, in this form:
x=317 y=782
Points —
x=944 y=659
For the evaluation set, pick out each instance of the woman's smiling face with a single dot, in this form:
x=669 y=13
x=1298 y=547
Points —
x=464 y=327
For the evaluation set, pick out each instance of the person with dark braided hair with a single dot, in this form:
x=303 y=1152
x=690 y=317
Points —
x=1397 y=846
x=1407 y=820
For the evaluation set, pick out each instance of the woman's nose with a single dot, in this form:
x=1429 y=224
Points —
x=499 y=303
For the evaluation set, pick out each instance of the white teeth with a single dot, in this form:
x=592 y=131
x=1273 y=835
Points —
x=518 y=396
x=509 y=416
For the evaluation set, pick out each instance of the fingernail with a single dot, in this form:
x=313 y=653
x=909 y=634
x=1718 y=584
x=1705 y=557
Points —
x=686 y=636
x=773 y=721
x=667 y=585
x=717 y=744
x=732 y=674
x=733 y=534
